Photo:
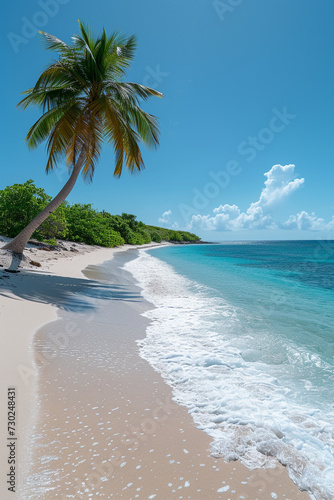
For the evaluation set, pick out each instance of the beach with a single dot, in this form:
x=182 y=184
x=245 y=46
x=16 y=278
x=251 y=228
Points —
x=94 y=418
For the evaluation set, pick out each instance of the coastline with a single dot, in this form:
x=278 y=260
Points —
x=22 y=317
x=189 y=457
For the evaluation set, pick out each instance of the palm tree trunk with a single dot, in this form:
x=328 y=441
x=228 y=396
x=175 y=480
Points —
x=18 y=244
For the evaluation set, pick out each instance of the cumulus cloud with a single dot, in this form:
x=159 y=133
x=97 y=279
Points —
x=306 y=221
x=279 y=184
x=229 y=218
x=254 y=218
x=231 y=210
x=166 y=220
x=166 y=217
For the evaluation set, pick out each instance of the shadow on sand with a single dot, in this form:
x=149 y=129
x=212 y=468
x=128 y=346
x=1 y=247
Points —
x=69 y=294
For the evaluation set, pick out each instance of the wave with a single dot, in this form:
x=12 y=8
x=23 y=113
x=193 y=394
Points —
x=248 y=412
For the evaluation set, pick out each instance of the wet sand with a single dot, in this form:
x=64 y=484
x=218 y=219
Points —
x=105 y=424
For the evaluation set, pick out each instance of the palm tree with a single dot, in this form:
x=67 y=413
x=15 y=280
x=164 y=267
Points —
x=84 y=101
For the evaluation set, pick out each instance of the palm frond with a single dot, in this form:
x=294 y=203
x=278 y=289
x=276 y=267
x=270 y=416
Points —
x=85 y=100
x=146 y=125
x=113 y=128
x=126 y=50
x=48 y=99
x=89 y=42
x=142 y=91
x=120 y=54
x=130 y=91
x=93 y=149
x=58 y=74
x=134 y=158
x=100 y=51
x=61 y=136
x=51 y=42
x=41 y=129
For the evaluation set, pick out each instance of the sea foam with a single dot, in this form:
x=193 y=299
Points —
x=192 y=341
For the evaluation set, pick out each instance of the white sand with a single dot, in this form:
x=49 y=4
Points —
x=20 y=318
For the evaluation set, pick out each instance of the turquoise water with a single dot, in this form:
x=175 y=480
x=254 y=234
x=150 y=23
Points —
x=243 y=332
x=283 y=289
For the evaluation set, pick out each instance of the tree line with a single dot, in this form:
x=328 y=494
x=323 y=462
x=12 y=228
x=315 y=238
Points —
x=20 y=203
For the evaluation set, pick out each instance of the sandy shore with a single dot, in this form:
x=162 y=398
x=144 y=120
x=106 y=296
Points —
x=27 y=301
x=94 y=419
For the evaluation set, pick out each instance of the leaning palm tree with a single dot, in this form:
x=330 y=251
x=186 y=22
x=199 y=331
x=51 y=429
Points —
x=85 y=101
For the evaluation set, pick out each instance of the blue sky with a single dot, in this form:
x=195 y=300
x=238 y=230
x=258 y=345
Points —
x=248 y=91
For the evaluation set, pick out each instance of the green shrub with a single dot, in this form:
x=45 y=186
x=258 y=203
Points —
x=20 y=203
x=55 y=226
x=141 y=237
x=188 y=236
x=155 y=236
x=52 y=241
x=118 y=224
x=89 y=226
x=132 y=231
x=170 y=234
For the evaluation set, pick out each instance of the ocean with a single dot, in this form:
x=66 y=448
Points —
x=244 y=334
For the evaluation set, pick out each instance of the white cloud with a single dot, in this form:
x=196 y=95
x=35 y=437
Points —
x=232 y=220
x=231 y=210
x=166 y=220
x=306 y=221
x=254 y=218
x=279 y=184
x=218 y=222
x=166 y=217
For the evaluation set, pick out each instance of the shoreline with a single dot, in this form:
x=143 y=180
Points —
x=21 y=318
x=233 y=474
